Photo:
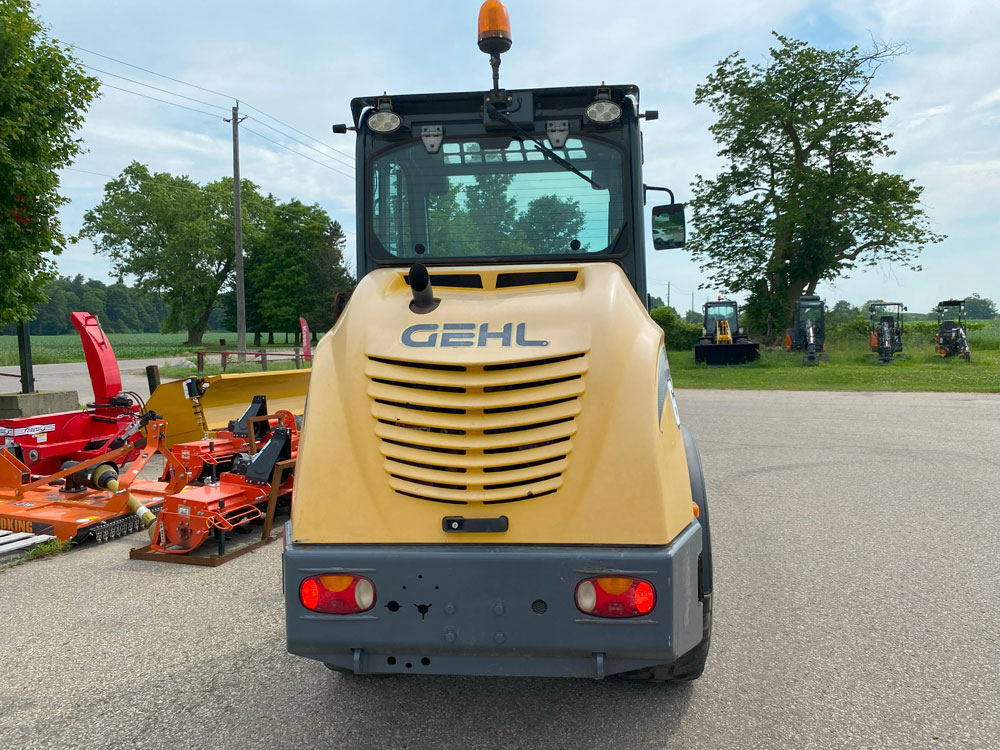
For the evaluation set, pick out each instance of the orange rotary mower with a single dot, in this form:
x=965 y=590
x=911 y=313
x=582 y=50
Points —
x=91 y=499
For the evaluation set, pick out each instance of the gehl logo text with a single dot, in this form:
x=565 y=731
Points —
x=467 y=334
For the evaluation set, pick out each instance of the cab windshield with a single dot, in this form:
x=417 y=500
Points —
x=495 y=196
x=715 y=313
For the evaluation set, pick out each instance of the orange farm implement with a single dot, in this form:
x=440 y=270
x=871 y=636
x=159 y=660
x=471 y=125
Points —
x=89 y=499
x=241 y=484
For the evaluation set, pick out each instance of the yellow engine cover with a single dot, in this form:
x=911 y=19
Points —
x=529 y=392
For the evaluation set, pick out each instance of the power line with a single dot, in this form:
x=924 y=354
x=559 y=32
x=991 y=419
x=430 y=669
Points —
x=155 y=88
x=292 y=128
x=206 y=90
x=301 y=143
x=259 y=135
x=209 y=104
x=152 y=72
x=298 y=153
x=164 y=101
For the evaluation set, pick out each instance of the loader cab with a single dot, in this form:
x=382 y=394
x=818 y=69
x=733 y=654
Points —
x=532 y=176
x=721 y=310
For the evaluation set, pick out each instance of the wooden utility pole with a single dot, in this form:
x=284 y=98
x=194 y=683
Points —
x=241 y=307
x=668 y=294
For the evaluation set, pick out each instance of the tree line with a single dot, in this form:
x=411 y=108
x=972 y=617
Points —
x=121 y=308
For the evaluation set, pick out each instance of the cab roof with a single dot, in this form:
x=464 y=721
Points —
x=568 y=97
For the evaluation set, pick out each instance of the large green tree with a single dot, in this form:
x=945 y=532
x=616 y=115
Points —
x=175 y=237
x=43 y=96
x=802 y=198
x=980 y=308
x=297 y=268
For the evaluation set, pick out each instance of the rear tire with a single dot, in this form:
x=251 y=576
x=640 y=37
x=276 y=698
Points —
x=688 y=667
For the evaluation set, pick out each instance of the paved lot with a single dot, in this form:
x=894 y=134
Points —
x=73 y=376
x=857 y=605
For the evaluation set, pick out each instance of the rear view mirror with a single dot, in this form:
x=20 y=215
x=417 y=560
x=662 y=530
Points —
x=668 y=226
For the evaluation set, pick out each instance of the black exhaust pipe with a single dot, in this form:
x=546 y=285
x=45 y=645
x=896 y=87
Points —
x=423 y=294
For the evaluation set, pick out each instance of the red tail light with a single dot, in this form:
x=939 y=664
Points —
x=615 y=597
x=337 y=594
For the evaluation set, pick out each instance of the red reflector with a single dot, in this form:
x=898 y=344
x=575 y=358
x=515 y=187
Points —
x=337 y=594
x=645 y=597
x=309 y=593
x=615 y=596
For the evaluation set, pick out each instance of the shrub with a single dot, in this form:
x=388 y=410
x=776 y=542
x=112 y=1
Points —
x=678 y=334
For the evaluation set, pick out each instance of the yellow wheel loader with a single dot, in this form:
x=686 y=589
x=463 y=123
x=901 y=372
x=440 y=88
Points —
x=493 y=478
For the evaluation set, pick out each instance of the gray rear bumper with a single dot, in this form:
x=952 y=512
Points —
x=495 y=610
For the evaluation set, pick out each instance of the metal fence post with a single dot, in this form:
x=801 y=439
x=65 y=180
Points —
x=298 y=358
x=24 y=355
x=153 y=377
x=263 y=360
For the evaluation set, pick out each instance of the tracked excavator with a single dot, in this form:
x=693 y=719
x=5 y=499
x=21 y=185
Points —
x=808 y=333
x=493 y=477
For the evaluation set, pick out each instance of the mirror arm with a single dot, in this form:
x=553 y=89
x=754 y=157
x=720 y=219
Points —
x=647 y=188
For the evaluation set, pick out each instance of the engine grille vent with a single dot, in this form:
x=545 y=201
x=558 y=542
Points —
x=476 y=434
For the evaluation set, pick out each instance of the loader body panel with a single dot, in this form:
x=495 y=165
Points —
x=556 y=428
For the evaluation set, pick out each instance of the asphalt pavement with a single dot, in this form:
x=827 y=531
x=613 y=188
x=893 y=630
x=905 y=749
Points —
x=857 y=604
x=73 y=376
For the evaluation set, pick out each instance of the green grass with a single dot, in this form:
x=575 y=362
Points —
x=850 y=366
x=47 y=350
x=45 y=549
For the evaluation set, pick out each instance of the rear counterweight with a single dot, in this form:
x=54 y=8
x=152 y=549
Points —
x=495 y=610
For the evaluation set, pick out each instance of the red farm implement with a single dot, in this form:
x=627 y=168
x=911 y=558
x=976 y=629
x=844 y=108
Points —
x=44 y=443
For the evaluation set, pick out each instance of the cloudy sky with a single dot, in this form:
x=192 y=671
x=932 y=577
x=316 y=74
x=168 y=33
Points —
x=301 y=61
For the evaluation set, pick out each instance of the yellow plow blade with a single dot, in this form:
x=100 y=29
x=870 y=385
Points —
x=226 y=398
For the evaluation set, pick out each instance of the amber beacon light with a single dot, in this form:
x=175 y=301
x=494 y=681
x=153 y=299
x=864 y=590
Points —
x=494 y=28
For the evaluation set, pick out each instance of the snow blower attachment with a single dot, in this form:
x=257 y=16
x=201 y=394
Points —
x=808 y=335
x=886 y=330
x=719 y=345
x=44 y=443
x=951 y=340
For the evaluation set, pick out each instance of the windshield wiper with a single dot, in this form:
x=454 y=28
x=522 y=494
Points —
x=496 y=114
